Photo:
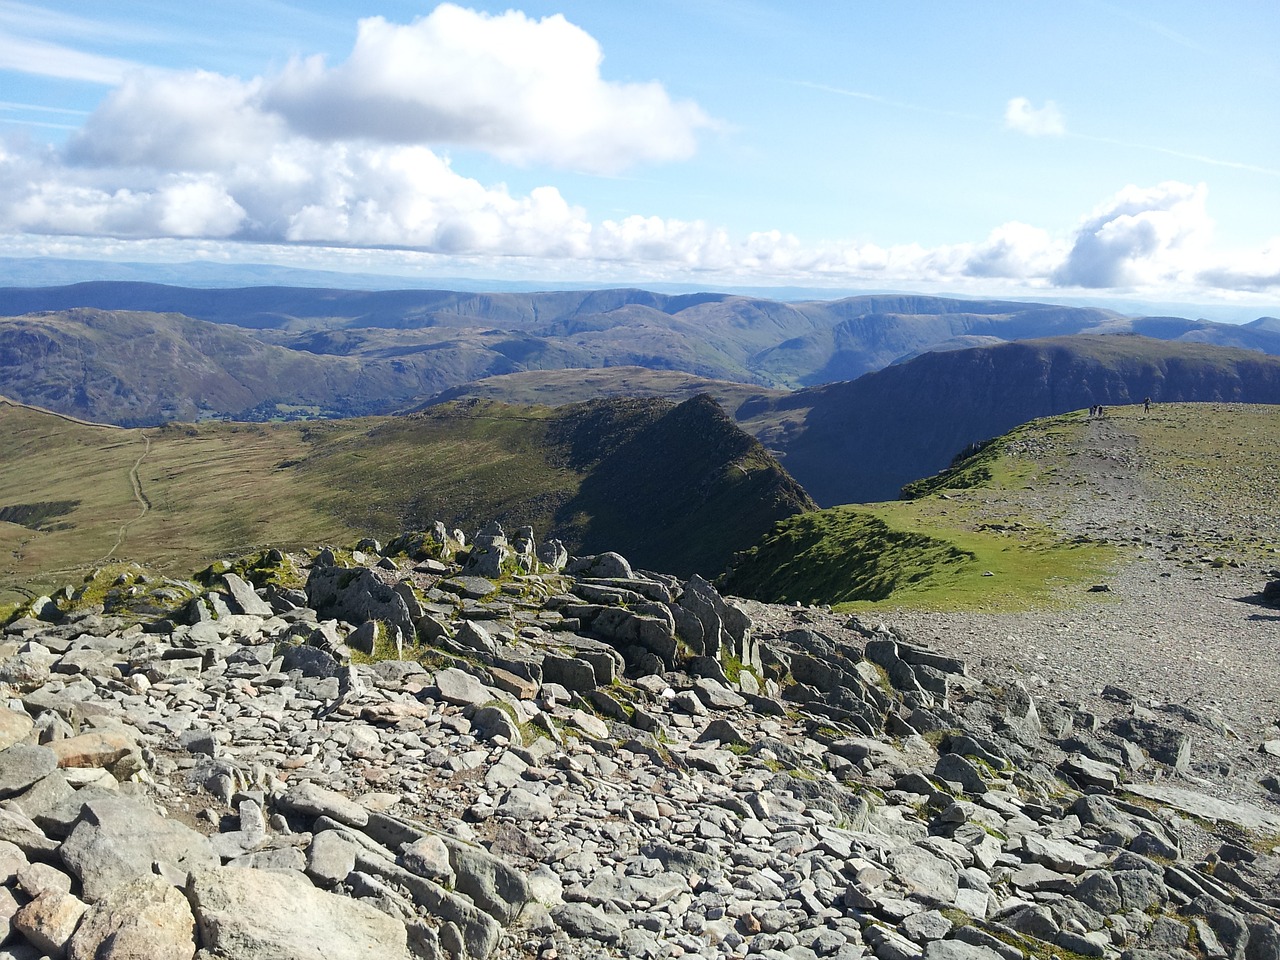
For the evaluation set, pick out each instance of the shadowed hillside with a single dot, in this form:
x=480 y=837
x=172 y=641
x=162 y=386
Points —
x=863 y=440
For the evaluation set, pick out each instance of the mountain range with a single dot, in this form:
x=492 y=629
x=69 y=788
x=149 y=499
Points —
x=441 y=339
x=856 y=397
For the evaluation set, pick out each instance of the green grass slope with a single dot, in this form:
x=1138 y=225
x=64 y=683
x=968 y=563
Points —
x=559 y=387
x=977 y=536
x=994 y=531
x=675 y=487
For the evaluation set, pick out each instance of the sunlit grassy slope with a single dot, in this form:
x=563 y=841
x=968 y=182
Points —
x=676 y=487
x=978 y=536
x=1191 y=482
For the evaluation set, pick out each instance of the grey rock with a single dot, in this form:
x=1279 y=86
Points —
x=957 y=769
x=22 y=765
x=1162 y=742
x=929 y=877
x=259 y=915
x=605 y=566
x=520 y=804
x=312 y=800
x=356 y=595
x=1099 y=891
x=1245 y=815
x=475 y=637
x=22 y=832
x=310 y=661
x=491 y=722
x=716 y=695
x=145 y=918
x=583 y=921
x=469 y=588
x=429 y=857
x=495 y=887
x=119 y=839
x=461 y=688
x=330 y=858
x=572 y=673
x=959 y=950
x=246 y=601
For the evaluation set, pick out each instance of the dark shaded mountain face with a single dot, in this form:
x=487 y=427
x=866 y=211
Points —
x=383 y=351
x=863 y=440
x=678 y=484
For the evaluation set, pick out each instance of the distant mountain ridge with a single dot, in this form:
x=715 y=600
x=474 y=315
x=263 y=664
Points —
x=449 y=338
x=862 y=440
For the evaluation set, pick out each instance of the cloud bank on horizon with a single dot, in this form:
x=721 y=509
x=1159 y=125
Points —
x=364 y=154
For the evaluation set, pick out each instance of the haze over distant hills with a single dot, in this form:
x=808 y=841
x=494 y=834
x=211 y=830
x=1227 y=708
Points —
x=263 y=352
x=54 y=271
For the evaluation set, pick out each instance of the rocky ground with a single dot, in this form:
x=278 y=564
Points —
x=1180 y=629
x=525 y=757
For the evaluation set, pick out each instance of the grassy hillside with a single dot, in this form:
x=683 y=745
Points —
x=1030 y=518
x=558 y=387
x=984 y=544
x=74 y=495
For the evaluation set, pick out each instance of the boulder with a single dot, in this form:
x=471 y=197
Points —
x=145 y=919
x=263 y=915
x=118 y=839
x=22 y=765
x=357 y=595
x=244 y=599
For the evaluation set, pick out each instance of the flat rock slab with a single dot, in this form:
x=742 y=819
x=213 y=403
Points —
x=1244 y=815
x=98 y=748
x=461 y=688
x=118 y=840
x=22 y=765
x=260 y=915
x=311 y=800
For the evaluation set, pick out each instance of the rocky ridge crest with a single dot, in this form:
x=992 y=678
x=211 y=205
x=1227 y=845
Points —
x=443 y=750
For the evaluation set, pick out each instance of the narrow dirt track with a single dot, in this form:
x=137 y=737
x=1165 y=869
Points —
x=144 y=504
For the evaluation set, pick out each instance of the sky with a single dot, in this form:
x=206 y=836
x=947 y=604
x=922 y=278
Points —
x=1103 y=149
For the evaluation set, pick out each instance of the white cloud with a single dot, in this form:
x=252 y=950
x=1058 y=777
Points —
x=1142 y=235
x=1021 y=116
x=1013 y=250
x=178 y=122
x=525 y=90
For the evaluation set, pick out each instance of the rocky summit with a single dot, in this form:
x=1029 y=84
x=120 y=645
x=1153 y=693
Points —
x=435 y=750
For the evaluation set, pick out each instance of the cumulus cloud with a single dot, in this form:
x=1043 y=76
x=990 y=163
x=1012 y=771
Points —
x=196 y=121
x=1015 y=251
x=1021 y=116
x=1258 y=272
x=526 y=90
x=1141 y=235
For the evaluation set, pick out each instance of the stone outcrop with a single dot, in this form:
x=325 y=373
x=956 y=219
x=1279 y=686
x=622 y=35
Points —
x=583 y=764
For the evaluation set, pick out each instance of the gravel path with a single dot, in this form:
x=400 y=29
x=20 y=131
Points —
x=1180 y=633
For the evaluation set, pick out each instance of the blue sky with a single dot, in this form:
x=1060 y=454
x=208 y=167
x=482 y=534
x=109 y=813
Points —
x=1088 y=148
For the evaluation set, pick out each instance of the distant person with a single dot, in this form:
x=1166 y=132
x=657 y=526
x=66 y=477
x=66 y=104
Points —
x=1100 y=412
x=1146 y=404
